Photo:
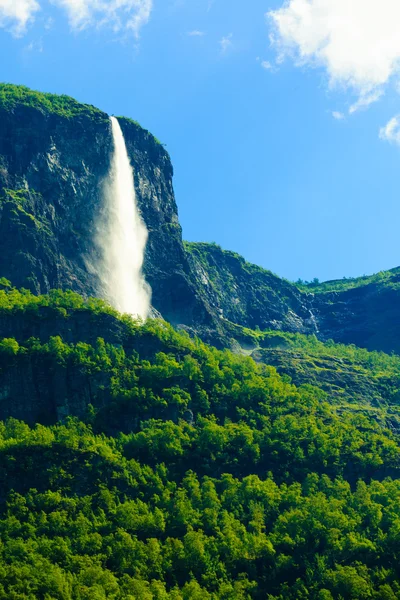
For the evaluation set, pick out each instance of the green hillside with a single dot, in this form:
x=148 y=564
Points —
x=168 y=469
x=347 y=373
x=139 y=463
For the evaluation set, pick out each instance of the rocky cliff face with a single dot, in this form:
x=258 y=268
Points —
x=50 y=180
x=248 y=295
x=54 y=156
x=364 y=311
x=367 y=315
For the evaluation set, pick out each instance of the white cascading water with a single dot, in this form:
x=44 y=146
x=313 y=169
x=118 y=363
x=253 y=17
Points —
x=122 y=236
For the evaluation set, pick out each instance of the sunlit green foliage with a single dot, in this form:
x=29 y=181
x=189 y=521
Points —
x=345 y=372
x=64 y=106
x=86 y=516
x=195 y=474
x=13 y=301
x=376 y=362
x=144 y=131
x=389 y=278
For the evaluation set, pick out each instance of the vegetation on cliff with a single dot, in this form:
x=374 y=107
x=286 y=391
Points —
x=362 y=311
x=346 y=372
x=143 y=131
x=193 y=474
x=63 y=106
x=389 y=278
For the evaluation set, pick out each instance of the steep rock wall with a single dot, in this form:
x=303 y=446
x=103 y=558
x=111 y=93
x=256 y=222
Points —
x=53 y=163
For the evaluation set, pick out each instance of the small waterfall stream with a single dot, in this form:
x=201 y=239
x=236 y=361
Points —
x=122 y=236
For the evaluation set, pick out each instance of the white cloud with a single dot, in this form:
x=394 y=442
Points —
x=35 y=46
x=121 y=15
x=391 y=131
x=49 y=23
x=196 y=33
x=267 y=65
x=365 y=100
x=357 y=42
x=339 y=116
x=226 y=43
x=16 y=14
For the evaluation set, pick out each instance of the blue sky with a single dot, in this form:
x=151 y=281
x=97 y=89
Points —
x=282 y=126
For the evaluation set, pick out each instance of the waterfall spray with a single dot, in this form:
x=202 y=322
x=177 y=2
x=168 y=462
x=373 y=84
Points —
x=122 y=236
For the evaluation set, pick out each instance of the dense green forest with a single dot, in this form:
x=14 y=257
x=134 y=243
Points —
x=194 y=474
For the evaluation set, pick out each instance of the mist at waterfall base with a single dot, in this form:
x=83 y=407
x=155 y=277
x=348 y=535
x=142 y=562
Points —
x=121 y=237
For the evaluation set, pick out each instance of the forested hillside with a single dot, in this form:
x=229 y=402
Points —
x=164 y=468
x=136 y=461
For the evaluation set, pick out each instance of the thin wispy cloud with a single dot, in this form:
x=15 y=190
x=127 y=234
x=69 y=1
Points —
x=15 y=15
x=226 y=43
x=356 y=42
x=196 y=33
x=34 y=46
x=122 y=16
x=49 y=23
x=339 y=116
x=365 y=100
x=391 y=131
x=267 y=65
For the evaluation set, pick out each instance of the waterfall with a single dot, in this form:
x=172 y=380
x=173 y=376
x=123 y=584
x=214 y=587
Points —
x=121 y=236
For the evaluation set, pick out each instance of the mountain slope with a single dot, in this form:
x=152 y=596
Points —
x=139 y=463
x=364 y=311
x=367 y=315
x=193 y=473
x=246 y=294
x=54 y=156
x=34 y=388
